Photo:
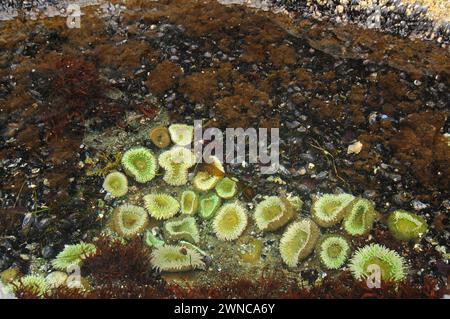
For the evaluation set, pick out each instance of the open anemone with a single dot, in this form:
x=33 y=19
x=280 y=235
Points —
x=116 y=183
x=129 y=220
x=298 y=241
x=176 y=259
x=183 y=228
x=273 y=213
x=226 y=188
x=176 y=163
x=181 y=134
x=209 y=204
x=140 y=163
x=333 y=251
x=329 y=209
x=73 y=255
x=161 y=206
x=189 y=202
x=36 y=284
x=392 y=266
x=230 y=221
x=360 y=217
x=160 y=136
x=207 y=179
x=404 y=225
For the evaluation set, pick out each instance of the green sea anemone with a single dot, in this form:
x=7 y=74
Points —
x=183 y=228
x=36 y=284
x=298 y=241
x=360 y=217
x=140 y=163
x=204 y=182
x=273 y=213
x=230 y=221
x=160 y=136
x=176 y=163
x=333 y=251
x=329 y=209
x=189 y=202
x=296 y=202
x=129 y=220
x=161 y=206
x=391 y=264
x=176 y=259
x=73 y=255
x=404 y=225
x=181 y=134
x=151 y=240
x=226 y=188
x=56 y=279
x=209 y=204
x=116 y=183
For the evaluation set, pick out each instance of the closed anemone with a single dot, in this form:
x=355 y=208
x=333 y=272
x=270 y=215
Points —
x=404 y=225
x=230 y=221
x=116 y=183
x=298 y=241
x=189 y=203
x=209 y=204
x=273 y=213
x=160 y=136
x=391 y=265
x=140 y=163
x=333 y=251
x=129 y=220
x=73 y=255
x=181 y=134
x=226 y=188
x=176 y=163
x=360 y=217
x=176 y=258
x=329 y=209
x=161 y=206
x=183 y=228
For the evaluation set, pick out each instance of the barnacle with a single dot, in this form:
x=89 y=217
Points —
x=160 y=136
x=161 y=206
x=140 y=163
x=129 y=220
x=360 y=217
x=230 y=221
x=209 y=204
x=298 y=241
x=176 y=163
x=73 y=255
x=226 y=188
x=189 y=202
x=391 y=265
x=183 y=228
x=404 y=225
x=273 y=213
x=116 y=183
x=333 y=251
x=181 y=134
x=176 y=258
x=329 y=209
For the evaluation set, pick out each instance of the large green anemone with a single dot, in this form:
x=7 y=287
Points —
x=329 y=209
x=73 y=255
x=181 y=134
x=161 y=206
x=404 y=225
x=183 y=228
x=230 y=221
x=129 y=220
x=176 y=258
x=333 y=251
x=226 y=188
x=116 y=184
x=209 y=204
x=273 y=213
x=176 y=163
x=36 y=284
x=392 y=266
x=360 y=217
x=140 y=163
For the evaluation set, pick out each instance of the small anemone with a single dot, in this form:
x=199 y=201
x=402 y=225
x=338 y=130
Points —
x=151 y=241
x=404 y=225
x=36 y=284
x=73 y=255
x=140 y=163
x=209 y=204
x=160 y=136
x=296 y=202
x=230 y=221
x=176 y=259
x=176 y=163
x=273 y=213
x=161 y=206
x=298 y=241
x=116 y=183
x=189 y=202
x=329 y=209
x=333 y=251
x=129 y=220
x=207 y=179
x=226 y=188
x=392 y=266
x=183 y=228
x=181 y=134
x=360 y=217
